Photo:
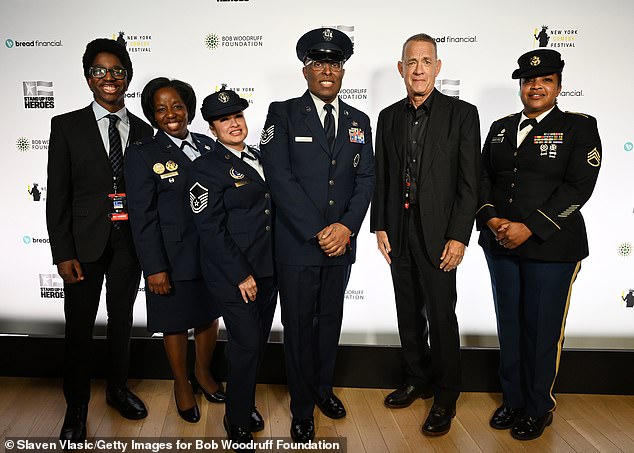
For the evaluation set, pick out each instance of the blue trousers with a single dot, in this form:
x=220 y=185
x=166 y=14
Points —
x=531 y=304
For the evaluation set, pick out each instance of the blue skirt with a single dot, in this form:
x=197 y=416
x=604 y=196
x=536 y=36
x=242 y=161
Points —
x=188 y=305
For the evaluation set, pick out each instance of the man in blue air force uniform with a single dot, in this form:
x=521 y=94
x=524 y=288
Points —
x=318 y=160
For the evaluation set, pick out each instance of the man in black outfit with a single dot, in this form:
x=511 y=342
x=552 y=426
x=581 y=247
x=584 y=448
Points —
x=427 y=170
x=89 y=234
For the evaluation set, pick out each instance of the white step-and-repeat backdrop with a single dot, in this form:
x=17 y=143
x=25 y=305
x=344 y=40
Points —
x=250 y=45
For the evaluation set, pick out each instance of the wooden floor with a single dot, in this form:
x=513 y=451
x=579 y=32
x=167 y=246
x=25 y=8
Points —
x=582 y=423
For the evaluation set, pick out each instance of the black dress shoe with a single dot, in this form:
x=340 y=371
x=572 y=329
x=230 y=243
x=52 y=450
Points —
x=530 y=427
x=257 y=422
x=438 y=421
x=237 y=435
x=505 y=418
x=331 y=406
x=216 y=397
x=303 y=430
x=74 y=427
x=127 y=403
x=406 y=395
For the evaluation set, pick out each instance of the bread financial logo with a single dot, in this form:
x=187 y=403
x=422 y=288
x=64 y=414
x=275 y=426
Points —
x=38 y=94
x=51 y=286
x=10 y=43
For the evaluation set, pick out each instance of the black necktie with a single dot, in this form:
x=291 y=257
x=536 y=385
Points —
x=528 y=122
x=247 y=155
x=116 y=154
x=329 y=125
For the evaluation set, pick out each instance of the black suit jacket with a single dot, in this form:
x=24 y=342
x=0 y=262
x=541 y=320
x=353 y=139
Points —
x=543 y=183
x=313 y=186
x=233 y=214
x=448 y=173
x=157 y=180
x=79 y=181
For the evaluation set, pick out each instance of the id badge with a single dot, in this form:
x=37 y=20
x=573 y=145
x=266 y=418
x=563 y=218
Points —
x=119 y=207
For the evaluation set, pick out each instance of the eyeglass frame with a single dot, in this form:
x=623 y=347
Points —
x=311 y=62
x=108 y=70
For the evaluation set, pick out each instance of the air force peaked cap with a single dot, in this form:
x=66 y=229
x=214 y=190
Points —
x=324 y=44
x=538 y=62
x=221 y=103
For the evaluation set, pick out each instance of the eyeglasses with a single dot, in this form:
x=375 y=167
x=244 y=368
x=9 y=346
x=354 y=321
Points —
x=320 y=65
x=99 y=72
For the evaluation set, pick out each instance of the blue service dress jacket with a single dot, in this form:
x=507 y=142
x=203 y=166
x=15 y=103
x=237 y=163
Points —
x=313 y=186
x=232 y=208
x=157 y=177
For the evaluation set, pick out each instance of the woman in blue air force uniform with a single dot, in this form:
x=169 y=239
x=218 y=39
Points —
x=233 y=213
x=166 y=241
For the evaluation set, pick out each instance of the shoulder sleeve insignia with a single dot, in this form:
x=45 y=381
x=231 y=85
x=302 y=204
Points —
x=267 y=134
x=594 y=158
x=198 y=197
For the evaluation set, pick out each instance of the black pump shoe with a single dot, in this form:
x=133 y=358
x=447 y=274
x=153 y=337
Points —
x=216 y=397
x=191 y=415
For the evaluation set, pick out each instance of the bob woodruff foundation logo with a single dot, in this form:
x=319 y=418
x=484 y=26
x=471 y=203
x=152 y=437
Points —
x=624 y=249
x=213 y=41
x=24 y=144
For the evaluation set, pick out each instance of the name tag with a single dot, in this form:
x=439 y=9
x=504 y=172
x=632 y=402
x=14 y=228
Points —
x=497 y=139
x=303 y=139
x=169 y=175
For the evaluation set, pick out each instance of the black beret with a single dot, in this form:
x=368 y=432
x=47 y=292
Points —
x=538 y=62
x=221 y=103
x=324 y=44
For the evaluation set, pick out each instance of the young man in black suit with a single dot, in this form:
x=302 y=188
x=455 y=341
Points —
x=427 y=170
x=87 y=242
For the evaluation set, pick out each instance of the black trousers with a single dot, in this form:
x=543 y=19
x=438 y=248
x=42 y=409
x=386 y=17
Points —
x=531 y=304
x=248 y=328
x=427 y=324
x=311 y=298
x=121 y=269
